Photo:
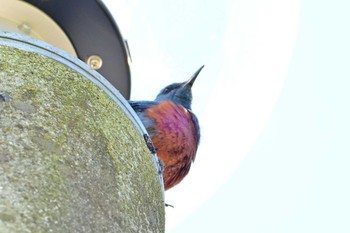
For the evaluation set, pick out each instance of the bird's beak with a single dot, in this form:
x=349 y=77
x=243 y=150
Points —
x=193 y=78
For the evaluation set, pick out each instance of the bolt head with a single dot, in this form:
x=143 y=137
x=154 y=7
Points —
x=95 y=62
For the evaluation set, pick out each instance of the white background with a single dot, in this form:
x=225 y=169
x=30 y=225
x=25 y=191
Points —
x=273 y=105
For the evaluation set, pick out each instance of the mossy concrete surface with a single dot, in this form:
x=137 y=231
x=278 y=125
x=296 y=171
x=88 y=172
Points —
x=70 y=158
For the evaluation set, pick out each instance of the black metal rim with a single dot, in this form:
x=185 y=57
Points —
x=93 y=31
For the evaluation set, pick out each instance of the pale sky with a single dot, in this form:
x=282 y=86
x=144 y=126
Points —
x=272 y=102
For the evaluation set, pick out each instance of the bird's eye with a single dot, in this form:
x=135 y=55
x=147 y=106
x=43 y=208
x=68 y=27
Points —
x=166 y=90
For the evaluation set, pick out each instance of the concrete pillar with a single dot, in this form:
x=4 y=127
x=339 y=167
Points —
x=72 y=154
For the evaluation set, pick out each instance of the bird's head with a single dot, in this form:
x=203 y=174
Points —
x=179 y=93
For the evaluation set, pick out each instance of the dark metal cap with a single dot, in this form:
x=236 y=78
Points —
x=93 y=32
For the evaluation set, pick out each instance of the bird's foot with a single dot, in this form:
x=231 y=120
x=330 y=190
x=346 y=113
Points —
x=161 y=166
x=168 y=205
x=149 y=144
x=153 y=150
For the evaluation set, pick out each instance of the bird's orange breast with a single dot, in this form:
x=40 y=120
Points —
x=175 y=139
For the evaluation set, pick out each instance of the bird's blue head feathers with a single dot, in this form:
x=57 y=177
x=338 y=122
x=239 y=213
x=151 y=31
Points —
x=179 y=93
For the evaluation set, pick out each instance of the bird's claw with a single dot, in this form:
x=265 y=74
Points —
x=149 y=144
x=161 y=166
x=168 y=205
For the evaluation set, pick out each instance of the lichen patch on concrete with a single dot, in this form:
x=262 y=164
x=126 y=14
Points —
x=70 y=158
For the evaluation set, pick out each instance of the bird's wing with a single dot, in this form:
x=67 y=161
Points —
x=141 y=106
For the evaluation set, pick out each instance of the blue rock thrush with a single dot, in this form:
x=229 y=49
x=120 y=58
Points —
x=173 y=128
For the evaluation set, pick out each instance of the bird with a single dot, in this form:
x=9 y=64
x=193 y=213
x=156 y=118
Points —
x=173 y=128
